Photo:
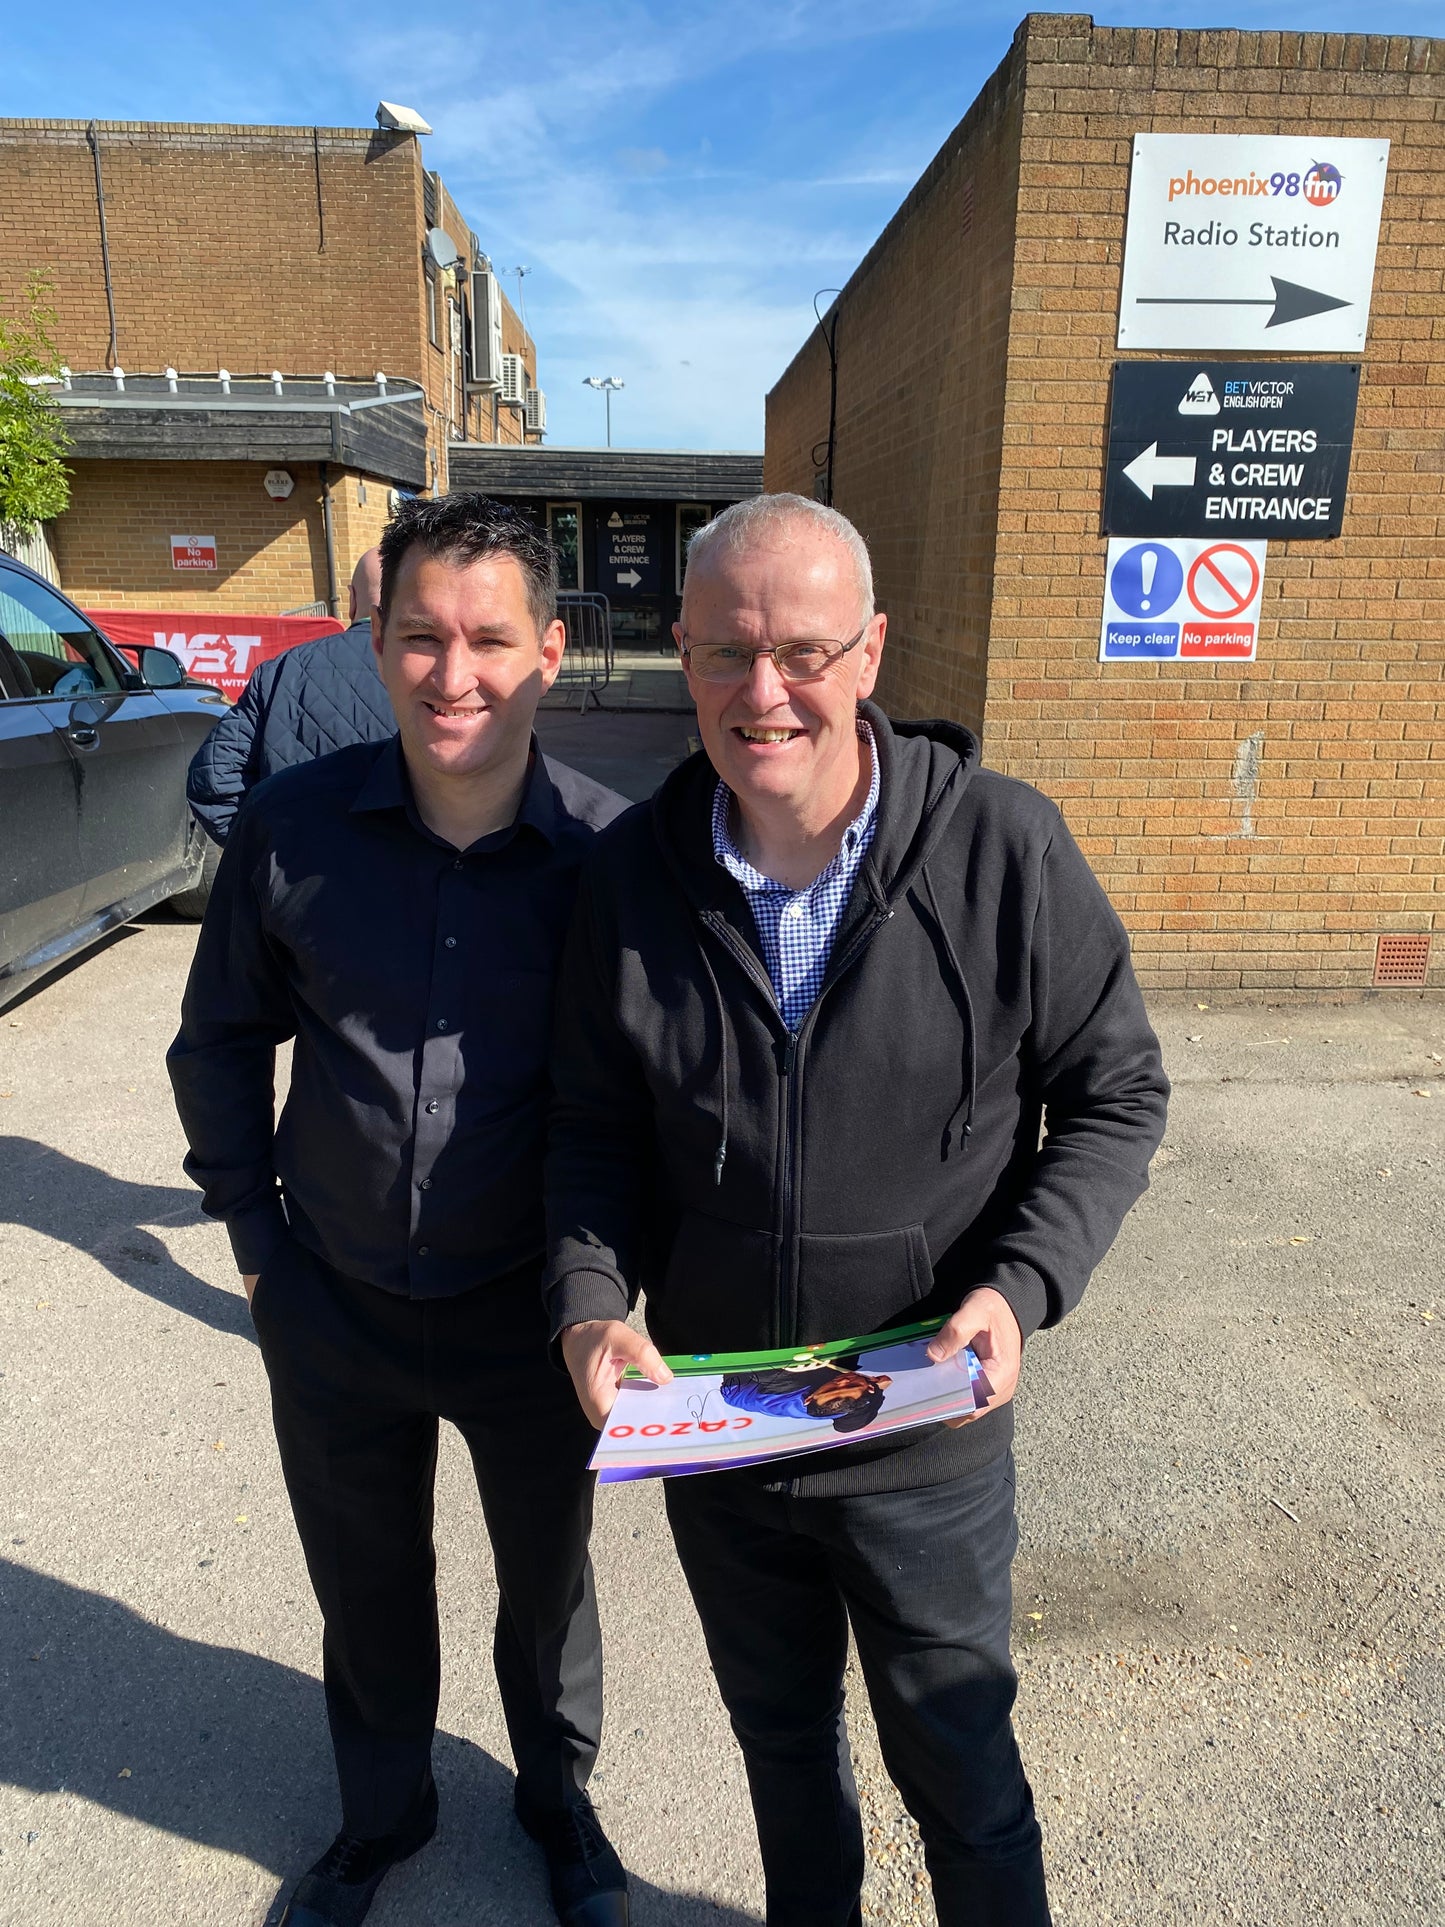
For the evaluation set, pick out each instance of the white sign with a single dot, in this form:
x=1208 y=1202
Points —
x=1251 y=241
x=278 y=484
x=1182 y=600
x=193 y=552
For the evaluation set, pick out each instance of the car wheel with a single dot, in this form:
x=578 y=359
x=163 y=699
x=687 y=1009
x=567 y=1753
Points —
x=191 y=904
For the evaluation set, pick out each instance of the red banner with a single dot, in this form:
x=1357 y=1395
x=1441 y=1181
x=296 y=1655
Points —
x=221 y=649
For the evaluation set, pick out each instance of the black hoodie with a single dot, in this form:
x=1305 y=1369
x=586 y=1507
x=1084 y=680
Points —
x=773 y=1188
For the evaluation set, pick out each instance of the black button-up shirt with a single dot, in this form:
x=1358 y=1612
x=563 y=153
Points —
x=417 y=981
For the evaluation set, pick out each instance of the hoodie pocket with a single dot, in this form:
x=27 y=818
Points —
x=719 y=1290
x=851 y=1283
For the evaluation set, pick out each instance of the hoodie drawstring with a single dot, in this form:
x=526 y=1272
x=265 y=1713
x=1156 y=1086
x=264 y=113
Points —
x=722 y=1054
x=969 y=1066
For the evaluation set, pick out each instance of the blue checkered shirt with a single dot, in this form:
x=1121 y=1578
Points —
x=797 y=927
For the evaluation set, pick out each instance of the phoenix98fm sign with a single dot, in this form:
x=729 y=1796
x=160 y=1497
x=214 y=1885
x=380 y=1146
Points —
x=1182 y=600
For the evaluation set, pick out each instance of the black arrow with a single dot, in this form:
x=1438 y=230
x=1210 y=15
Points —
x=1291 y=302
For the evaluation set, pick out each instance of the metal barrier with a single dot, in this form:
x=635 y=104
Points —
x=587 y=666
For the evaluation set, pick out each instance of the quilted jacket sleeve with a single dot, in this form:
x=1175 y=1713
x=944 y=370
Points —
x=225 y=765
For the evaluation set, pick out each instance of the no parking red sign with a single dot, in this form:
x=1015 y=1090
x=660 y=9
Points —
x=1182 y=599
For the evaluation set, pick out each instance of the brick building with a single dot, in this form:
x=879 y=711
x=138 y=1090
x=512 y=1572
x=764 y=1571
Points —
x=1259 y=824
x=204 y=261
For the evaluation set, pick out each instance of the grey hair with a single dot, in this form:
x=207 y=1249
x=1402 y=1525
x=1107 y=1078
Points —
x=765 y=519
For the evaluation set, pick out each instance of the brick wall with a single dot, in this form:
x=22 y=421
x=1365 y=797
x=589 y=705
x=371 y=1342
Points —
x=1257 y=824
x=248 y=248
x=359 y=516
x=922 y=337
x=114 y=543
x=221 y=256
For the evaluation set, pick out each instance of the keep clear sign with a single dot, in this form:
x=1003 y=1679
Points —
x=1182 y=600
x=1251 y=241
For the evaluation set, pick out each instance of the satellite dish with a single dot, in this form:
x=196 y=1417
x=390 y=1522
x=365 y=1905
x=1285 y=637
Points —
x=441 y=248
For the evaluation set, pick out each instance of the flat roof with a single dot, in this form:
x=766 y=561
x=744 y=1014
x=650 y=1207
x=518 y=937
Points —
x=606 y=474
x=353 y=423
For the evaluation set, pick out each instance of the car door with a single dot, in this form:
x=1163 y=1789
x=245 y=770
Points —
x=41 y=878
x=128 y=750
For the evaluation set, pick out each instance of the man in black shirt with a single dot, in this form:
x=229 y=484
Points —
x=398 y=909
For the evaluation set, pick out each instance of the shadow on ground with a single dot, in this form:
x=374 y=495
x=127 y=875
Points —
x=229 y=1750
x=58 y=972
x=105 y=1216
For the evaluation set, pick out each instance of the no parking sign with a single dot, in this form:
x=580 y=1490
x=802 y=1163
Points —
x=1182 y=599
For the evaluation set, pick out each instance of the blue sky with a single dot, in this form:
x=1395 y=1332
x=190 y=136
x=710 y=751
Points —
x=680 y=180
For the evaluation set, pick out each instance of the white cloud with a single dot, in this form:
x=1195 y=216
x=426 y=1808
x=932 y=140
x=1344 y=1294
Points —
x=686 y=267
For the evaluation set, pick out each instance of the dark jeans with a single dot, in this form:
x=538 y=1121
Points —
x=359 y=1379
x=923 y=1578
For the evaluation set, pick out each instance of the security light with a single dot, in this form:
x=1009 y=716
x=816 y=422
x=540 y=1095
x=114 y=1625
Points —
x=406 y=120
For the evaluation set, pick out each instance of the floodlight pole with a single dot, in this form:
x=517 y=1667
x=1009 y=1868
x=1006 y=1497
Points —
x=607 y=383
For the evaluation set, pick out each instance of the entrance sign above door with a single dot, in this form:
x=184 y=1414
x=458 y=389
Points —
x=629 y=554
x=1252 y=241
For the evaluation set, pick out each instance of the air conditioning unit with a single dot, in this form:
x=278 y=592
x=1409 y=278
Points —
x=536 y=411
x=514 y=380
x=484 y=331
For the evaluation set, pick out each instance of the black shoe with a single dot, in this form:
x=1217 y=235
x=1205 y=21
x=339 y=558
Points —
x=339 y=1889
x=589 y=1886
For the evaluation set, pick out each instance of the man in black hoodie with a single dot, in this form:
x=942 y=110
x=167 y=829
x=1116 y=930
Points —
x=820 y=998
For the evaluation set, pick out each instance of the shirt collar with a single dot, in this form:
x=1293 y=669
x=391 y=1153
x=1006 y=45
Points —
x=386 y=786
x=727 y=853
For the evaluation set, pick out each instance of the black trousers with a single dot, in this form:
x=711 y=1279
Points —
x=923 y=1578
x=359 y=1379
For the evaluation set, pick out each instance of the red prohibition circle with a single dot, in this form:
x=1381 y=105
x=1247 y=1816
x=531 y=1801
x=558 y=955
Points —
x=1238 y=600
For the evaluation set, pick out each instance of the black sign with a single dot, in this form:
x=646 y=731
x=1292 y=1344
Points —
x=629 y=553
x=1229 y=448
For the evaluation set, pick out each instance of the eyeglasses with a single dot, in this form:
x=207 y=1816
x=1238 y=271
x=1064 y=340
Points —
x=794 y=661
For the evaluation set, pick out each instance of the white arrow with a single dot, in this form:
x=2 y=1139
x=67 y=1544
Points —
x=632 y=578
x=1152 y=470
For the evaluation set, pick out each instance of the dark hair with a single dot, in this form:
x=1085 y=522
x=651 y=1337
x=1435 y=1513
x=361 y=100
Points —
x=855 y=1412
x=864 y=1411
x=460 y=529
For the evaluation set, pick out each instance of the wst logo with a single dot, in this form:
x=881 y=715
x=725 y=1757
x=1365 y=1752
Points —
x=1200 y=398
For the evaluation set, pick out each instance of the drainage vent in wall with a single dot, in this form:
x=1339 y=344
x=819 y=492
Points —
x=1401 y=961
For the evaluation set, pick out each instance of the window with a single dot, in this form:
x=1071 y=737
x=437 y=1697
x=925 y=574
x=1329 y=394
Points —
x=564 y=520
x=12 y=676
x=56 y=645
x=691 y=516
x=431 y=310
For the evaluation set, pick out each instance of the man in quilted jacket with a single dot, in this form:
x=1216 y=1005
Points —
x=321 y=696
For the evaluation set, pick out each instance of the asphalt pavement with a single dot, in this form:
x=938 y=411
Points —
x=1229 y=1592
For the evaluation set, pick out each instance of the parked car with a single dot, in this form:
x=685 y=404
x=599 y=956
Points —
x=94 y=825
